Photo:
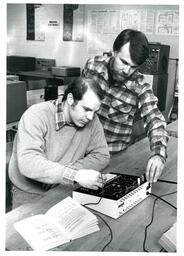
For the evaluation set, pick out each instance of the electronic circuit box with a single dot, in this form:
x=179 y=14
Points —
x=119 y=194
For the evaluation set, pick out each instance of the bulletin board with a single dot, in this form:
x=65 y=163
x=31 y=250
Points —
x=104 y=25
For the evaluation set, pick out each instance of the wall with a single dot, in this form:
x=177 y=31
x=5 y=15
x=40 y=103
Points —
x=65 y=53
x=75 y=53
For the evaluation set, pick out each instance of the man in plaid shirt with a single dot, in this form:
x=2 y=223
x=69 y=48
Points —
x=126 y=93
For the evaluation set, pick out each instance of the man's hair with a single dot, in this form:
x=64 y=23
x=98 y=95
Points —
x=139 y=47
x=80 y=85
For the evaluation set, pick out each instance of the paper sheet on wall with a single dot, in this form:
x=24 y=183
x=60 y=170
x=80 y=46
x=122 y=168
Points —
x=39 y=23
x=73 y=22
x=78 y=25
x=167 y=22
x=142 y=20
x=103 y=27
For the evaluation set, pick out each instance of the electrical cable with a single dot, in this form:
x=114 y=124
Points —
x=152 y=217
x=157 y=197
x=111 y=233
x=167 y=181
x=100 y=196
x=164 y=200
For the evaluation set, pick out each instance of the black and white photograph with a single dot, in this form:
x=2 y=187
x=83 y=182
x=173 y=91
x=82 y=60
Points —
x=92 y=153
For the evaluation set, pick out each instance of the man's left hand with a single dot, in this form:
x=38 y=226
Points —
x=154 y=168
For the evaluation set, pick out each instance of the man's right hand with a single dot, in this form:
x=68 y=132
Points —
x=90 y=178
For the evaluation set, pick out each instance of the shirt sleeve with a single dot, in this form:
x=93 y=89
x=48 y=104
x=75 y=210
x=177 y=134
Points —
x=97 y=71
x=69 y=174
x=31 y=152
x=154 y=122
x=89 y=66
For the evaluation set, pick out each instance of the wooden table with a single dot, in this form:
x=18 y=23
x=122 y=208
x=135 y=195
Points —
x=129 y=229
x=37 y=74
x=45 y=75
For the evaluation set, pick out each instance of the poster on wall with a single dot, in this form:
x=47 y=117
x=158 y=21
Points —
x=35 y=22
x=103 y=26
x=143 y=20
x=167 y=22
x=30 y=18
x=39 y=23
x=73 y=22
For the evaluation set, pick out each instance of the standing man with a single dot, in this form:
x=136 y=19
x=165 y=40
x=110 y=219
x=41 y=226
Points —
x=125 y=94
x=60 y=142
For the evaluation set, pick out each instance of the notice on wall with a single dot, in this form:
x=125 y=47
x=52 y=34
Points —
x=105 y=24
x=104 y=21
x=103 y=27
x=142 y=20
x=39 y=23
x=167 y=22
x=73 y=22
x=53 y=23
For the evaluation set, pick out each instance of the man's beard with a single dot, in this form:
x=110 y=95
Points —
x=118 y=76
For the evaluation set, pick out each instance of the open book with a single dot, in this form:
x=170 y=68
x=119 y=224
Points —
x=65 y=221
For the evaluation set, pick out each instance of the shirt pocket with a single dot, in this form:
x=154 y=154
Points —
x=119 y=111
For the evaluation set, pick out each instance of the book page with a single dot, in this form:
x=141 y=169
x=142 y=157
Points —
x=41 y=232
x=73 y=217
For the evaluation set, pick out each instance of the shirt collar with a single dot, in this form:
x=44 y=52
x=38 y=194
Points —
x=60 y=120
x=100 y=66
x=131 y=82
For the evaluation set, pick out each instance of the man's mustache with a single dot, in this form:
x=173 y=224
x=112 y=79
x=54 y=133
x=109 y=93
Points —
x=123 y=74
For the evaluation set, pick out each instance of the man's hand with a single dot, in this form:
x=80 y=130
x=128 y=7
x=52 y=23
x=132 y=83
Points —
x=89 y=178
x=154 y=168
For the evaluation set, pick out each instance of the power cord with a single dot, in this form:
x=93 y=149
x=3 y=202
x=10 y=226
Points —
x=160 y=197
x=100 y=196
x=157 y=197
x=111 y=234
x=167 y=181
x=153 y=210
x=162 y=250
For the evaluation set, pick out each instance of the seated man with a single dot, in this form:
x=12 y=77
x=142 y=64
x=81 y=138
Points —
x=60 y=141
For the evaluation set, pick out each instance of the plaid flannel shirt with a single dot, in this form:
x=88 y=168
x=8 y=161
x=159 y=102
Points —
x=120 y=105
